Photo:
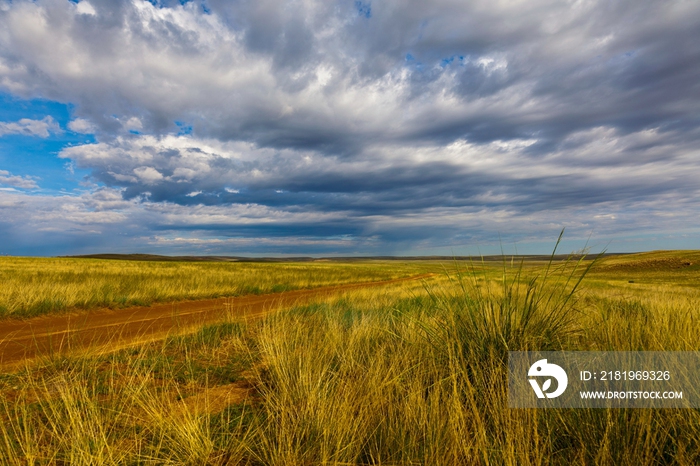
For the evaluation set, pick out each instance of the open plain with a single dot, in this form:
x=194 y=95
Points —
x=369 y=362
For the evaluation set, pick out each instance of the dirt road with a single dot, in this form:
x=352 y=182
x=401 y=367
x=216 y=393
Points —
x=108 y=330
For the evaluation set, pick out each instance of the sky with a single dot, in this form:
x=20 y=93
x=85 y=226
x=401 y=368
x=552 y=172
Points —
x=346 y=128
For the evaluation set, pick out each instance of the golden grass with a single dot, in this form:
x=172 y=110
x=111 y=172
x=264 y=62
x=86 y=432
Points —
x=409 y=374
x=34 y=286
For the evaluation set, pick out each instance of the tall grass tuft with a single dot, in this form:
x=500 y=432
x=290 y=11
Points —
x=525 y=309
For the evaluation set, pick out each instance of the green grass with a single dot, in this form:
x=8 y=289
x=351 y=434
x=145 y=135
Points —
x=407 y=374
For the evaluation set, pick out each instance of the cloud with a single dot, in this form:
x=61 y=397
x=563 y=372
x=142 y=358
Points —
x=27 y=127
x=325 y=78
x=148 y=175
x=401 y=123
x=23 y=182
x=81 y=125
x=591 y=167
x=87 y=222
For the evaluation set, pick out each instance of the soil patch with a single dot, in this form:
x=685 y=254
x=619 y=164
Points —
x=107 y=330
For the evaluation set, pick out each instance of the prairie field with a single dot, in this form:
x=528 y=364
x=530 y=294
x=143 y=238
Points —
x=404 y=374
x=37 y=286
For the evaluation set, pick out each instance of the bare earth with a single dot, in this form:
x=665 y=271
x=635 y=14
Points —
x=108 y=330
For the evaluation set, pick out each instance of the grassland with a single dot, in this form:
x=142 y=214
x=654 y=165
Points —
x=409 y=374
x=36 y=286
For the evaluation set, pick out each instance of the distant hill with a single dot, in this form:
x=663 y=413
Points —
x=653 y=261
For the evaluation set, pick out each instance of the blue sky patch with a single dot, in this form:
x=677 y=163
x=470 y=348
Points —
x=364 y=9
x=35 y=156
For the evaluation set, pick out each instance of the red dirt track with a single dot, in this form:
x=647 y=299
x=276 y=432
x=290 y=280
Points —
x=108 y=330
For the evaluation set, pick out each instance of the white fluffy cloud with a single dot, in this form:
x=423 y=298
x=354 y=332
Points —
x=8 y=179
x=27 y=127
x=81 y=125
